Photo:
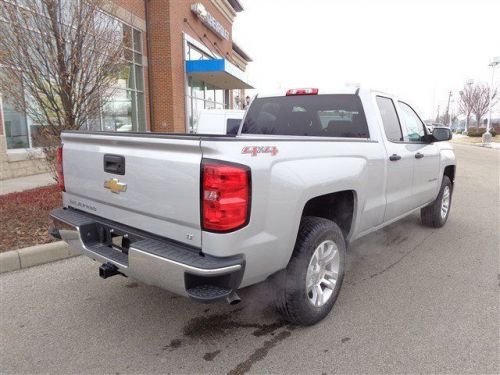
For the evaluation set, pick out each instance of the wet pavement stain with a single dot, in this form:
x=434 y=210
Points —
x=211 y=355
x=217 y=325
x=268 y=329
x=174 y=344
x=345 y=339
x=259 y=354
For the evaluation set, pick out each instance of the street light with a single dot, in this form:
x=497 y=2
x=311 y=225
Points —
x=487 y=136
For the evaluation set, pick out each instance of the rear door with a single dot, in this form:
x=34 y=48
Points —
x=157 y=189
x=400 y=162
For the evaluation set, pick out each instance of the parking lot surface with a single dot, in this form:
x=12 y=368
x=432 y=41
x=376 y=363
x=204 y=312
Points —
x=415 y=300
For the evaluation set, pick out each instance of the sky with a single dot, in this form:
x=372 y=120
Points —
x=416 y=49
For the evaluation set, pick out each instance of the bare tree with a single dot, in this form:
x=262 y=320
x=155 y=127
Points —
x=59 y=60
x=466 y=102
x=481 y=101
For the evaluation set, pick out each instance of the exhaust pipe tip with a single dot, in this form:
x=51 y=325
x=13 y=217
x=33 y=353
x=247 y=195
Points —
x=233 y=299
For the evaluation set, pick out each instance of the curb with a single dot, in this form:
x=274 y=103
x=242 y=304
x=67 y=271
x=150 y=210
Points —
x=33 y=256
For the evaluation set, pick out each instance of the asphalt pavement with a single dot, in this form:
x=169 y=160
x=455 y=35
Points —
x=415 y=300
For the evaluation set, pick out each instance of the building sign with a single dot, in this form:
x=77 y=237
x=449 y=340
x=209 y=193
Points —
x=209 y=20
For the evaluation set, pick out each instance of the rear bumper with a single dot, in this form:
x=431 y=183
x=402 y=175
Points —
x=156 y=261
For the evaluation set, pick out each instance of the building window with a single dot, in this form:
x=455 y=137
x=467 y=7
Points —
x=16 y=127
x=125 y=109
x=201 y=95
x=193 y=53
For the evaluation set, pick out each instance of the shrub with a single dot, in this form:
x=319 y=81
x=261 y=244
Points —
x=478 y=132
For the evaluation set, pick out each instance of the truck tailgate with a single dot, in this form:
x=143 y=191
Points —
x=159 y=191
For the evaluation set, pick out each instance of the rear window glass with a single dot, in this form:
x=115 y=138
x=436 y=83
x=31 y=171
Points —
x=315 y=115
x=233 y=125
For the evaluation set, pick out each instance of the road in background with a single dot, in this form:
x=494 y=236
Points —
x=415 y=299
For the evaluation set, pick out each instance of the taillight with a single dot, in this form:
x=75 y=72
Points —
x=59 y=168
x=225 y=196
x=293 y=92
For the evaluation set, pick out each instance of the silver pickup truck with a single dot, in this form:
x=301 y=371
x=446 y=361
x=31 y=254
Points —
x=202 y=216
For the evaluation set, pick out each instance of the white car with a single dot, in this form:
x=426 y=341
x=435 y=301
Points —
x=219 y=121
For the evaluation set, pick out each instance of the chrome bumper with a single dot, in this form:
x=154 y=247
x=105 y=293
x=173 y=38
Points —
x=154 y=261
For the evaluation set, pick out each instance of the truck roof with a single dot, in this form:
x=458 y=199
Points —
x=323 y=91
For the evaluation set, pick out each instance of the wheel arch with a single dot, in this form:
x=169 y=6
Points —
x=339 y=207
x=449 y=171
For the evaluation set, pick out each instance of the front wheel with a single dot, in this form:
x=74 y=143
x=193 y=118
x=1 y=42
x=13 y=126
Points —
x=436 y=214
x=308 y=288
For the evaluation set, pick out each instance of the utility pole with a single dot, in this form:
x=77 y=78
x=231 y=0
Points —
x=437 y=117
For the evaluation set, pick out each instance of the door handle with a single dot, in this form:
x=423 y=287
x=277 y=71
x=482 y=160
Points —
x=394 y=157
x=418 y=155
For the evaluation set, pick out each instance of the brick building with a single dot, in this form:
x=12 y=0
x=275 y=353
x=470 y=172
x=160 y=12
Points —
x=181 y=59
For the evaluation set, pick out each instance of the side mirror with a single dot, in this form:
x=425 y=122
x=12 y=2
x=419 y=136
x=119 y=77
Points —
x=440 y=134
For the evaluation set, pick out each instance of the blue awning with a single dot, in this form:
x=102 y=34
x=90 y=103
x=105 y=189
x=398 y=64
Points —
x=219 y=73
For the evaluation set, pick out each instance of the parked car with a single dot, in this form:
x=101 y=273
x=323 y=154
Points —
x=219 y=121
x=431 y=126
x=309 y=172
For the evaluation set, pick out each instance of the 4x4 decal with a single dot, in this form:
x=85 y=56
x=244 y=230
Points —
x=254 y=150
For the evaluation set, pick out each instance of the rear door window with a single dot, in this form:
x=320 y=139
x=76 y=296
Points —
x=390 y=119
x=337 y=115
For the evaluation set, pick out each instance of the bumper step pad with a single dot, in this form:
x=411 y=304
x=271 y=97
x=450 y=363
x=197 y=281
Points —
x=208 y=293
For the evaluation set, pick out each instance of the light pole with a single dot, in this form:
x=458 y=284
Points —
x=487 y=135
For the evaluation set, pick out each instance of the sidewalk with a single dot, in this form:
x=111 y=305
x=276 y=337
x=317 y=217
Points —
x=475 y=141
x=25 y=183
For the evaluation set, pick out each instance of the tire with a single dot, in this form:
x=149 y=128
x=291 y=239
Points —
x=433 y=215
x=294 y=301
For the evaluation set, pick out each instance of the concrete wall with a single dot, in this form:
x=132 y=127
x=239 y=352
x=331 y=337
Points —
x=20 y=163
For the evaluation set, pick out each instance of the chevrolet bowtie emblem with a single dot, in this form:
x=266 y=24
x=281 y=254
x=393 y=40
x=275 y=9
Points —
x=115 y=186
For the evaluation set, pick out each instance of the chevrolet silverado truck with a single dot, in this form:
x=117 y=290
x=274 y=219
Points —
x=202 y=216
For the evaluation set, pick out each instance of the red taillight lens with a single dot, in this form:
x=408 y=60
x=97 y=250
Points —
x=293 y=92
x=59 y=168
x=225 y=196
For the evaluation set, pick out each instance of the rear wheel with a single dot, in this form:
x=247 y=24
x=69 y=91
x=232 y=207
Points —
x=436 y=214
x=308 y=288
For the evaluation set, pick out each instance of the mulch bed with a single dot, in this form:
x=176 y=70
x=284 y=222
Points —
x=25 y=217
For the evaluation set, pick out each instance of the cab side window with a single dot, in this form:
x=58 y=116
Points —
x=389 y=119
x=413 y=127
